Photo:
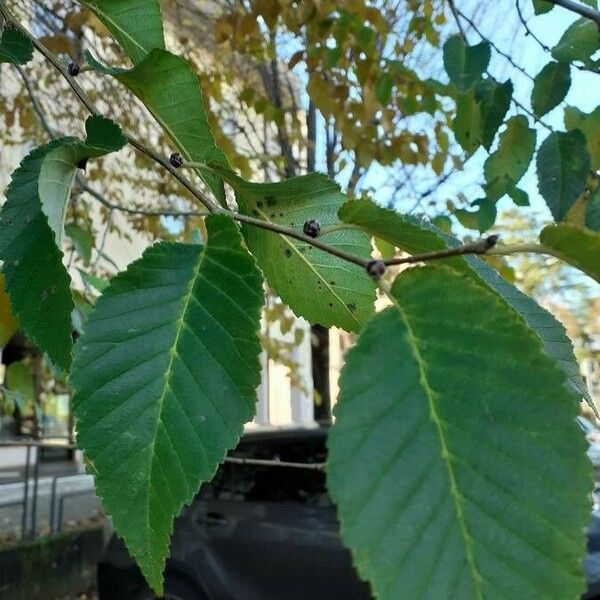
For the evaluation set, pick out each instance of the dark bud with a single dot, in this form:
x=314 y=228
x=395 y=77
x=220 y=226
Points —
x=176 y=160
x=73 y=69
x=312 y=228
x=491 y=241
x=375 y=268
x=82 y=164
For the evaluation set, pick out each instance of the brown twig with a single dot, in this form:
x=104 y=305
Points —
x=482 y=246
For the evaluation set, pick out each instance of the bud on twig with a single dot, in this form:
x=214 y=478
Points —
x=375 y=268
x=312 y=228
x=176 y=160
x=73 y=69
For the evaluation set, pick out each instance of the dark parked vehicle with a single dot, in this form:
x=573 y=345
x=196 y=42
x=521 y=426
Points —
x=265 y=532
x=255 y=532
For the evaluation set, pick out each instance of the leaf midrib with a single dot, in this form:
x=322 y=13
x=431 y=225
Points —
x=120 y=29
x=180 y=326
x=445 y=453
x=311 y=267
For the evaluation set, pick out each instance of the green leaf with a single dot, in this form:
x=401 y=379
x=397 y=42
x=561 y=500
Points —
x=320 y=287
x=93 y=281
x=59 y=167
x=578 y=43
x=170 y=90
x=563 y=165
x=589 y=124
x=403 y=231
x=542 y=6
x=417 y=237
x=494 y=100
x=15 y=47
x=19 y=379
x=504 y=169
x=465 y=64
x=165 y=377
x=383 y=88
x=518 y=196
x=592 y=211
x=8 y=322
x=578 y=246
x=135 y=24
x=448 y=482
x=550 y=87
x=467 y=125
x=486 y=213
x=82 y=241
x=34 y=276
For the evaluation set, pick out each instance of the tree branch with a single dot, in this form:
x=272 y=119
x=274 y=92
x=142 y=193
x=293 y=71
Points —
x=89 y=105
x=483 y=246
x=136 y=211
x=585 y=11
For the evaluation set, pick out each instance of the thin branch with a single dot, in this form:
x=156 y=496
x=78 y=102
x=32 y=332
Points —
x=513 y=63
x=454 y=11
x=585 y=11
x=541 y=44
x=498 y=50
x=483 y=246
x=34 y=101
x=293 y=233
x=89 y=105
x=137 y=211
x=528 y=31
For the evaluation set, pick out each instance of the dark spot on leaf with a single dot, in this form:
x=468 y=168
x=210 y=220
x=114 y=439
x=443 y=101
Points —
x=288 y=252
x=351 y=306
x=332 y=282
x=272 y=216
x=281 y=215
x=259 y=204
x=331 y=304
x=271 y=200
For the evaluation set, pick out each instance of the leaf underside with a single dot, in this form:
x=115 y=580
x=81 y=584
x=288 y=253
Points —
x=165 y=377
x=578 y=246
x=428 y=510
x=415 y=237
x=35 y=279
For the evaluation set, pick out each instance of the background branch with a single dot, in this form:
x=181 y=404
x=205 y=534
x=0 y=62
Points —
x=585 y=11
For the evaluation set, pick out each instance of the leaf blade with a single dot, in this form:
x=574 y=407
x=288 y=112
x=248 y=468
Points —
x=170 y=90
x=15 y=47
x=35 y=278
x=415 y=237
x=465 y=64
x=408 y=424
x=563 y=165
x=185 y=404
x=320 y=287
x=504 y=168
x=135 y=24
x=550 y=87
x=578 y=246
